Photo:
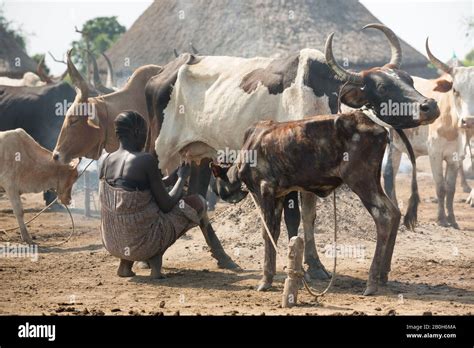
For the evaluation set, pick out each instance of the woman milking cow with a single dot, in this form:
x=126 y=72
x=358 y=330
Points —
x=140 y=218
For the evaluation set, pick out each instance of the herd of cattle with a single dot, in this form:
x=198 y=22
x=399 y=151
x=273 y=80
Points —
x=286 y=110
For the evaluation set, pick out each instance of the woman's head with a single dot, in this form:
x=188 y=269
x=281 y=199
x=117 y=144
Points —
x=131 y=126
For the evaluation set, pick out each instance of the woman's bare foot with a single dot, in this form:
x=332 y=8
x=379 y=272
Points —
x=125 y=269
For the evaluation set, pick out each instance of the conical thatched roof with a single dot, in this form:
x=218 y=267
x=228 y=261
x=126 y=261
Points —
x=14 y=62
x=257 y=28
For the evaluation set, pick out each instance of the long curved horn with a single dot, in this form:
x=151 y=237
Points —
x=110 y=72
x=193 y=49
x=436 y=62
x=96 y=76
x=396 y=58
x=77 y=79
x=40 y=71
x=342 y=73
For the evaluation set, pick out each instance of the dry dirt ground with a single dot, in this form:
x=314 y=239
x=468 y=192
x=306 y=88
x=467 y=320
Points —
x=431 y=269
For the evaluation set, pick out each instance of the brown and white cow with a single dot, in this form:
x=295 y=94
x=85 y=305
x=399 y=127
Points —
x=200 y=107
x=26 y=167
x=320 y=153
x=444 y=140
x=89 y=123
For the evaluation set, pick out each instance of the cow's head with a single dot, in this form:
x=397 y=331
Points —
x=227 y=185
x=80 y=134
x=67 y=177
x=387 y=90
x=461 y=87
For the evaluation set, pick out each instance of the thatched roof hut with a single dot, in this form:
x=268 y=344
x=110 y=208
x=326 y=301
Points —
x=14 y=61
x=257 y=28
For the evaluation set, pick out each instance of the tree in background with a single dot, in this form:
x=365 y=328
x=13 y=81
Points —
x=97 y=35
x=17 y=34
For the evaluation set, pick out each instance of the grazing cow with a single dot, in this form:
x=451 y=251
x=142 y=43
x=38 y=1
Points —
x=200 y=106
x=27 y=167
x=86 y=134
x=443 y=141
x=320 y=153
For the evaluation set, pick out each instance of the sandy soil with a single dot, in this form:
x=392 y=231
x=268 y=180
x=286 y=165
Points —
x=431 y=269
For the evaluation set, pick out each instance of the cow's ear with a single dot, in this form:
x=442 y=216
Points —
x=443 y=86
x=354 y=96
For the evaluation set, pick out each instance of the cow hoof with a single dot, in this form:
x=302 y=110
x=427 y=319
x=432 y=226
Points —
x=442 y=223
x=454 y=225
x=143 y=265
x=226 y=262
x=264 y=286
x=383 y=279
x=317 y=273
x=370 y=290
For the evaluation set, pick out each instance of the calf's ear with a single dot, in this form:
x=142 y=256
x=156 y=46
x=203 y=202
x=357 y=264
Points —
x=354 y=96
x=443 y=86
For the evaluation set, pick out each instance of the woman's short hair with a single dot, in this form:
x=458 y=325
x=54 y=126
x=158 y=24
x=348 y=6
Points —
x=129 y=123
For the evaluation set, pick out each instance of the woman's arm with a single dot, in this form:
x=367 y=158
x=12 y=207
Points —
x=166 y=201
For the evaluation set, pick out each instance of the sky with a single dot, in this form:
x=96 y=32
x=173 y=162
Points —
x=49 y=25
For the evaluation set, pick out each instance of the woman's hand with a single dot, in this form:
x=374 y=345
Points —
x=184 y=171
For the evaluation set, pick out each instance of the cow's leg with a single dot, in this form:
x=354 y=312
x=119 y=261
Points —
x=315 y=269
x=271 y=209
x=436 y=162
x=451 y=175
x=390 y=172
x=386 y=217
x=198 y=183
x=462 y=176
x=18 y=210
x=292 y=213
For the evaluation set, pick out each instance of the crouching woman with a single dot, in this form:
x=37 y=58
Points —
x=140 y=219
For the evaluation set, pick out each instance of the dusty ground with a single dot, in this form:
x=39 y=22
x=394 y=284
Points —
x=431 y=269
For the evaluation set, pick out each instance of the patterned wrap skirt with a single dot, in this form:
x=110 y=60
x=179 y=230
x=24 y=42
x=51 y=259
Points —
x=134 y=228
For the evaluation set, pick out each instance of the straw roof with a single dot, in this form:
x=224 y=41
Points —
x=251 y=28
x=14 y=62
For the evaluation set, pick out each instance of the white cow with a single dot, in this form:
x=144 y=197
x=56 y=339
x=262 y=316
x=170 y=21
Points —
x=27 y=167
x=29 y=80
x=445 y=140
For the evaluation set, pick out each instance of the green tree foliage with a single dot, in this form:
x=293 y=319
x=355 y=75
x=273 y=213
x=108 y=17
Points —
x=98 y=34
x=469 y=59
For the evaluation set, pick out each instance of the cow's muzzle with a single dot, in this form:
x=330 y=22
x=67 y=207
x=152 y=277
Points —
x=429 y=111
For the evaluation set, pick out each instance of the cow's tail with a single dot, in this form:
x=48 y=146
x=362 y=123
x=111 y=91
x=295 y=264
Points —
x=411 y=215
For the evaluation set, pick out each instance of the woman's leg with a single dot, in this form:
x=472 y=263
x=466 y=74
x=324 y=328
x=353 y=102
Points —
x=155 y=263
x=125 y=268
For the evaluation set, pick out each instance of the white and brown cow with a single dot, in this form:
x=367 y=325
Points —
x=201 y=106
x=27 y=167
x=445 y=140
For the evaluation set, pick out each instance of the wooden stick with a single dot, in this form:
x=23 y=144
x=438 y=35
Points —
x=295 y=272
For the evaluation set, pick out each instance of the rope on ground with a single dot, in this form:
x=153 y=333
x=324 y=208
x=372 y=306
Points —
x=298 y=273
x=73 y=229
